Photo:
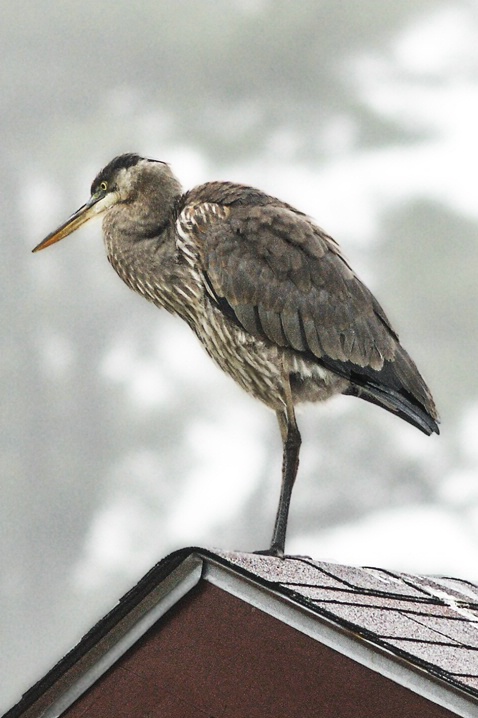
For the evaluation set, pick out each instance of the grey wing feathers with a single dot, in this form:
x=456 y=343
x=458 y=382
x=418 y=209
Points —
x=286 y=280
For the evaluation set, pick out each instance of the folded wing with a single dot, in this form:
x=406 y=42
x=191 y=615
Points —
x=282 y=278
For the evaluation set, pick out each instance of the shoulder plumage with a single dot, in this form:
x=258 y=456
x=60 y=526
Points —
x=231 y=194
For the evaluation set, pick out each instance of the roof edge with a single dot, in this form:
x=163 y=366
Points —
x=315 y=623
x=175 y=576
x=163 y=586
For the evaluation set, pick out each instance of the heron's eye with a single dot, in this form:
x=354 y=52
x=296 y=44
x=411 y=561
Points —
x=103 y=186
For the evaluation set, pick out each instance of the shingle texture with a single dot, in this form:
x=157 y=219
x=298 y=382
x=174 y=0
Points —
x=430 y=622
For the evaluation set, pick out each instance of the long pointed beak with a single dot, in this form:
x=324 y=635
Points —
x=82 y=215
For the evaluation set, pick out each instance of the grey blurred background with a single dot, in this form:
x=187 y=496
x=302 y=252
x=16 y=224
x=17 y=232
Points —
x=120 y=440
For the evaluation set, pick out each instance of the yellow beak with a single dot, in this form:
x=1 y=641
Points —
x=82 y=215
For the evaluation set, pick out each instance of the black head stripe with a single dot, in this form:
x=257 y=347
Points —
x=108 y=172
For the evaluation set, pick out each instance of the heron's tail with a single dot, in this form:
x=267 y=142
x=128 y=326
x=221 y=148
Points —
x=399 y=388
x=398 y=404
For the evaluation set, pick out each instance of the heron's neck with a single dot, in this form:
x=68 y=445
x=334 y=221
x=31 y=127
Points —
x=149 y=263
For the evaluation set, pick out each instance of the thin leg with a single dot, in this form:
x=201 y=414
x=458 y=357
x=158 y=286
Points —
x=291 y=442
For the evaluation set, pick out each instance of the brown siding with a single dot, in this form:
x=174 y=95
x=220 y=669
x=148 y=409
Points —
x=214 y=656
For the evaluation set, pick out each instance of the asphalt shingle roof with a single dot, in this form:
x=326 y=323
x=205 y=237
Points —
x=430 y=622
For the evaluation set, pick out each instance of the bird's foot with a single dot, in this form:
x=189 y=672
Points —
x=279 y=553
x=276 y=551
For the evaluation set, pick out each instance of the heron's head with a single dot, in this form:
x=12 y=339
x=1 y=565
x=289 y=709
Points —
x=125 y=180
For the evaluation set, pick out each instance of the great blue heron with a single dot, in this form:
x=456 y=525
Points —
x=269 y=295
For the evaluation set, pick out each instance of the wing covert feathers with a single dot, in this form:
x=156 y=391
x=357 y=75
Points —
x=286 y=280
